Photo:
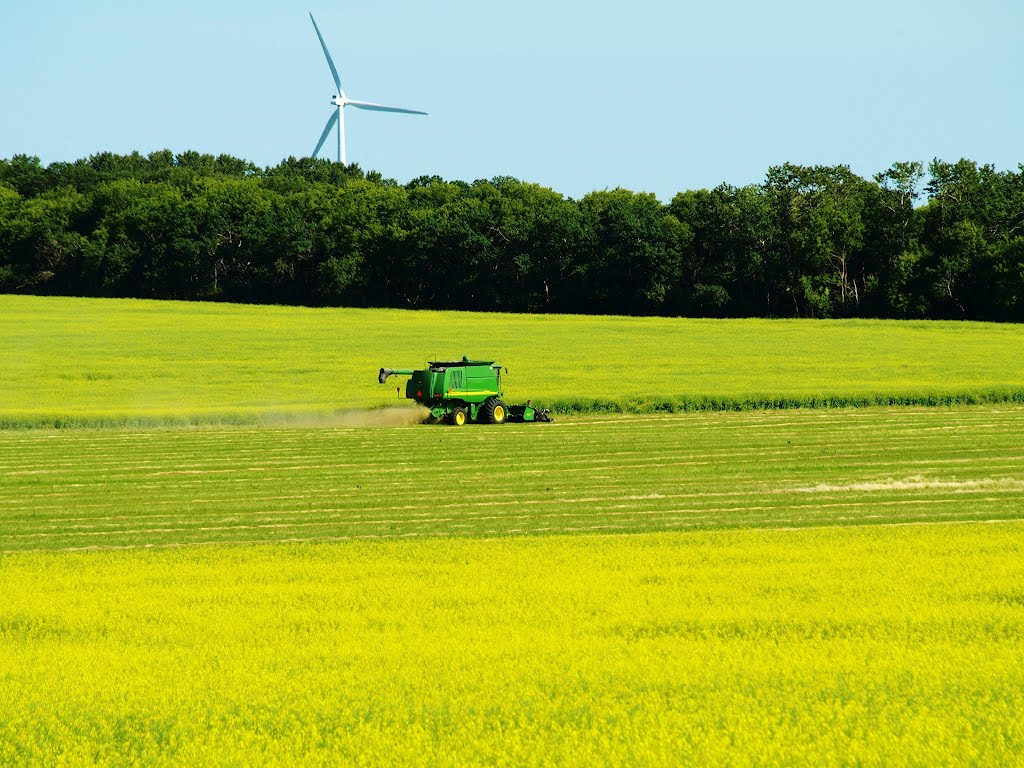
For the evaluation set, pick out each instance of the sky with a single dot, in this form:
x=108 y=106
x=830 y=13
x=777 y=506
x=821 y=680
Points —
x=651 y=95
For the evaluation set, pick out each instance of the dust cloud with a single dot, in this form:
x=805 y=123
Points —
x=403 y=416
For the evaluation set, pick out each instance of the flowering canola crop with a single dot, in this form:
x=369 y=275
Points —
x=875 y=646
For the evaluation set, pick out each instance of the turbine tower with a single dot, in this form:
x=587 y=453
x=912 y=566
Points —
x=340 y=100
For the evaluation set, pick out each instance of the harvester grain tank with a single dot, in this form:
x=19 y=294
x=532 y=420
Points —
x=463 y=390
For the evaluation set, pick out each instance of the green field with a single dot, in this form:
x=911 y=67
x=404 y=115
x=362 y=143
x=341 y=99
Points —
x=74 y=489
x=867 y=646
x=70 y=361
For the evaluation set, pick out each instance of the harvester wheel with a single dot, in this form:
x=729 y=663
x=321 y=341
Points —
x=493 y=411
x=457 y=417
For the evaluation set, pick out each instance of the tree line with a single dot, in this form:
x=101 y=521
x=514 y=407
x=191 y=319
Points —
x=946 y=241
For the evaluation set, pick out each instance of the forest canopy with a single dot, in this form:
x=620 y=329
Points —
x=942 y=241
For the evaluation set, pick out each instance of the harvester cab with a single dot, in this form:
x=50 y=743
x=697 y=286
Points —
x=463 y=390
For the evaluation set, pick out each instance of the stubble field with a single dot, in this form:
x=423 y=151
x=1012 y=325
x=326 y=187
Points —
x=82 y=489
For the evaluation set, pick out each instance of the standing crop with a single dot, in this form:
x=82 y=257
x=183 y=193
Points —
x=883 y=646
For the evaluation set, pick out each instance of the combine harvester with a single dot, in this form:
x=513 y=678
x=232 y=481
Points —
x=461 y=391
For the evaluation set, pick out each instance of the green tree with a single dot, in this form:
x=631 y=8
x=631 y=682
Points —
x=137 y=222
x=50 y=250
x=973 y=215
x=361 y=229
x=723 y=262
x=635 y=255
x=25 y=174
x=816 y=238
x=13 y=231
x=892 y=238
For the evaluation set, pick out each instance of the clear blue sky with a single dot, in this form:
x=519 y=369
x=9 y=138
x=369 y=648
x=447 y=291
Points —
x=652 y=95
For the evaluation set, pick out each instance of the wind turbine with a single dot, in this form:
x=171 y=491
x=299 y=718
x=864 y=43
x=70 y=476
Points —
x=340 y=100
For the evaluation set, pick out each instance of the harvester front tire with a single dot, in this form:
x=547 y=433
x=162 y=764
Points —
x=457 y=417
x=493 y=411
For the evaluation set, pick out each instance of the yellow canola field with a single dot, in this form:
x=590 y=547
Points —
x=881 y=646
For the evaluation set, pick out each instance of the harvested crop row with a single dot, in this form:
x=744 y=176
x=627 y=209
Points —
x=73 y=490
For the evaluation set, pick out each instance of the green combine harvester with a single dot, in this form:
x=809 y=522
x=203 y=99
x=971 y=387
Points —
x=463 y=390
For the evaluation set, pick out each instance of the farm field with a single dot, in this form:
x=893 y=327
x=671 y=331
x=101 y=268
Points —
x=70 y=361
x=82 y=489
x=868 y=646
x=225 y=565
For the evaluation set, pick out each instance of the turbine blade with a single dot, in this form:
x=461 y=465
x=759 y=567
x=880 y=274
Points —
x=330 y=61
x=368 y=105
x=327 y=130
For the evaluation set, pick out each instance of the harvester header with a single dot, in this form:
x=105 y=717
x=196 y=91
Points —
x=457 y=391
